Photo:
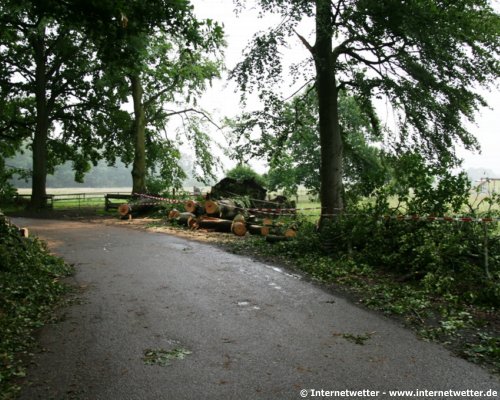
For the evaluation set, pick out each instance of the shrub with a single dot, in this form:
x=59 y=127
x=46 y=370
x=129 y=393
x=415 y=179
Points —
x=29 y=289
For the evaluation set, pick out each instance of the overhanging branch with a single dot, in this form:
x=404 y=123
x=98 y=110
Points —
x=193 y=110
x=305 y=42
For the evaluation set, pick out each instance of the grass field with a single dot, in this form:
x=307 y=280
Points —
x=94 y=198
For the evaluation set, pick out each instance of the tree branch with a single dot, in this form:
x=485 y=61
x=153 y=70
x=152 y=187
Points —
x=299 y=89
x=193 y=110
x=152 y=99
x=305 y=43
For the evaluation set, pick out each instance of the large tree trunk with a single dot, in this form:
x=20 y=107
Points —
x=39 y=179
x=139 y=135
x=329 y=129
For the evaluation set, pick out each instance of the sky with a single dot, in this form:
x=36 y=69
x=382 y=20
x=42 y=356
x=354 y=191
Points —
x=223 y=99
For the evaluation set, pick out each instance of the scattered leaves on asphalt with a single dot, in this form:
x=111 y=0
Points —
x=164 y=357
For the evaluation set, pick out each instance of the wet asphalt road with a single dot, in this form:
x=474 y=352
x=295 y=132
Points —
x=254 y=330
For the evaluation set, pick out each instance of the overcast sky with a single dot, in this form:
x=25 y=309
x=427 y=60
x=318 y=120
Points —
x=239 y=31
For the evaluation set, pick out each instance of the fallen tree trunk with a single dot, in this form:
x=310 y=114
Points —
x=211 y=207
x=174 y=214
x=265 y=230
x=239 y=228
x=224 y=208
x=216 y=224
x=229 y=209
x=124 y=210
x=194 y=207
x=258 y=230
x=239 y=218
x=138 y=207
x=183 y=218
x=290 y=232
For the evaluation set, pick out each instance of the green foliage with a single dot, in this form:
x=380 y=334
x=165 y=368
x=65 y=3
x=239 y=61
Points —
x=356 y=339
x=164 y=56
x=289 y=139
x=424 y=187
x=48 y=68
x=375 y=50
x=164 y=357
x=7 y=191
x=29 y=289
x=242 y=172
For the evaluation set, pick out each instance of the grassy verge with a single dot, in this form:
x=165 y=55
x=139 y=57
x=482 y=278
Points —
x=427 y=304
x=30 y=288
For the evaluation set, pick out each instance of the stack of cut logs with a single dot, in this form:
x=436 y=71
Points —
x=226 y=215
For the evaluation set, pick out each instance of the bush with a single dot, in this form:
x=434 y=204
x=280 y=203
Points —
x=448 y=257
x=29 y=289
x=242 y=172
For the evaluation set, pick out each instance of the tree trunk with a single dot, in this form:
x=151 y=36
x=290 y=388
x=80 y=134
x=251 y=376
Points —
x=139 y=137
x=329 y=129
x=194 y=207
x=173 y=214
x=255 y=229
x=39 y=179
x=229 y=209
x=183 y=218
x=137 y=207
x=212 y=207
x=239 y=228
x=218 y=225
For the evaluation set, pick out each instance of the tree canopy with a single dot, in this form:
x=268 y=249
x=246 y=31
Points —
x=67 y=70
x=427 y=57
x=46 y=67
x=159 y=55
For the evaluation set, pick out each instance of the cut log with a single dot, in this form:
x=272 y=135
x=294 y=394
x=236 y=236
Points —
x=211 y=207
x=267 y=221
x=265 y=230
x=173 y=214
x=138 y=207
x=239 y=218
x=291 y=232
x=257 y=230
x=124 y=209
x=24 y=232
x=194 y=207
x=192 y=222
x=228 y=209
x=277 y=238
x=239 y=228
x=218 y=225
x=183 y=218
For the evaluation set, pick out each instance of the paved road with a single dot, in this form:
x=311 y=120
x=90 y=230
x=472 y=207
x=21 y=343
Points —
x=255 y=331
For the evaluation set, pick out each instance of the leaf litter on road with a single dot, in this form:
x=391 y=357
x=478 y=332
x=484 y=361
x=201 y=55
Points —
x=164 y=357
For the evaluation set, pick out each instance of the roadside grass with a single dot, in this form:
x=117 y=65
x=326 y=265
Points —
x=30 y=289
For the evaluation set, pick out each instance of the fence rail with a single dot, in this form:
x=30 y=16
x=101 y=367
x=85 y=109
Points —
x=79 y=200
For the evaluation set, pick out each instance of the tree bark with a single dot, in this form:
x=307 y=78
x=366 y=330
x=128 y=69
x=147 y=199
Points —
x=212 y=207
x=39 y=179
x=239 y=228
x=184 y=218
x=137 y=207
x=329 y=129
x=194 y=207
x=218 y=225
x=139 y=137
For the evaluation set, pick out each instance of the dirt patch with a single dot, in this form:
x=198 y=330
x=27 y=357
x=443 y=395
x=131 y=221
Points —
x=161 y=226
